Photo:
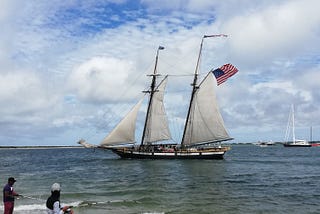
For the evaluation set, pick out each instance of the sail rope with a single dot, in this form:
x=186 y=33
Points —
x=180 y=75
x=33 y=198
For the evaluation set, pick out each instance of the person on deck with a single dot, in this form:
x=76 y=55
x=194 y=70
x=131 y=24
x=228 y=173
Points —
x=8 y=196
x=53 y=202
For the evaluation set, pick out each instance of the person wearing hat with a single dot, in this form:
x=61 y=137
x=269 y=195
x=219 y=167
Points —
x=8 y=196
x=53 y=202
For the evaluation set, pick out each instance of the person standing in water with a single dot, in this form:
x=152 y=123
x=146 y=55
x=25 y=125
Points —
x=53 y=202
x=8 y=196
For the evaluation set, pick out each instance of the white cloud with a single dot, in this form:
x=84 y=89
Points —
x=101 y=79
x=22 y=93
x=27 y=107
x=275 y=31
x=310 y=79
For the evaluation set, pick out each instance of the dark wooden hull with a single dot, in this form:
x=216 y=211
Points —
x=217 y=153
x=296 y=145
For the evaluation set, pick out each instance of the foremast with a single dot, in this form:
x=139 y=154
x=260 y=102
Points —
x=156 y=125
x=151 y=96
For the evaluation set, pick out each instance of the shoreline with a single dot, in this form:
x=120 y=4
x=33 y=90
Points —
x=41 y=147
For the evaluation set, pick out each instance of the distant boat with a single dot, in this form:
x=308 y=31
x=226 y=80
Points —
x=313 y=143
x=203 y=131
x=266 y=144
x=291 y=126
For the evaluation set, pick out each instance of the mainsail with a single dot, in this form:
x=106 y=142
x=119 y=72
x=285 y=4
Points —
x=205 y=123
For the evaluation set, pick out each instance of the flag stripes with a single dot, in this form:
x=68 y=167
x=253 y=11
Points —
x=224 y=72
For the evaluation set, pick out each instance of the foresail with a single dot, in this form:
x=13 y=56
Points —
x=157 y=124
x=124 y=132
x=205 y=122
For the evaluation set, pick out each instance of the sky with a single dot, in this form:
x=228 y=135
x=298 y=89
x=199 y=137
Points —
x=71 y=69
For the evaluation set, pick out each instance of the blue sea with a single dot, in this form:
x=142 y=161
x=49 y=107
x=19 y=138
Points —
x=250 y=179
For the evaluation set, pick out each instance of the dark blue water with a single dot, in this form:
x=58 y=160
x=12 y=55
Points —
x=250 y=179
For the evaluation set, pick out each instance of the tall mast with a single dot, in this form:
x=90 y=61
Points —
x=194 y=89
x=151 y=91
x=195 y=86
x=293 y=134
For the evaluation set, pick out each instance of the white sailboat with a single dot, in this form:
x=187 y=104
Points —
x=204 y=127
x=291 y=127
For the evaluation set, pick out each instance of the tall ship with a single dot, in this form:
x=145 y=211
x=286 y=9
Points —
x=203 y=131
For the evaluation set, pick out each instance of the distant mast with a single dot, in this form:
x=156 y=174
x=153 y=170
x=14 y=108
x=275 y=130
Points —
x=293 y=126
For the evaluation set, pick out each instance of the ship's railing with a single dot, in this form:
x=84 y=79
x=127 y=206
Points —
x=174 y=149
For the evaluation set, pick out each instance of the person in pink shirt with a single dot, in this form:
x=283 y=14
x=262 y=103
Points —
x=8 y=196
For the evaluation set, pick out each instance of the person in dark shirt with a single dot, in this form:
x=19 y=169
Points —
x=53 y=202
x=8 y=196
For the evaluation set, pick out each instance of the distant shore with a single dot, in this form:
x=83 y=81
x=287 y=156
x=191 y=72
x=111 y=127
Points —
x=41 y=147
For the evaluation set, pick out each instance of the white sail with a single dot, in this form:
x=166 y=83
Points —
x=124 y=132
x=157 y=128
x=205 y=123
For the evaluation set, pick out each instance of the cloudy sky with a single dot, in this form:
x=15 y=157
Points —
x=69 y=69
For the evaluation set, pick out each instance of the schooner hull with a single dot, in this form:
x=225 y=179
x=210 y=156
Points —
x=217 y=153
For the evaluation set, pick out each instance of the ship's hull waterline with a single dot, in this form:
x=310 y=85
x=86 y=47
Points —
x=213 y=153
x=297 y=145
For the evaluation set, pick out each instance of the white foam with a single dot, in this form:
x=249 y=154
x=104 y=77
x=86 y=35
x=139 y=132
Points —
x=33 y=208
x=30 y=207
x=74 y=204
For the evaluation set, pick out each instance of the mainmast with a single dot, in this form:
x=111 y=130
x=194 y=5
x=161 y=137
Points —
x=195 y=87
x=151 y=91
x=293 y=125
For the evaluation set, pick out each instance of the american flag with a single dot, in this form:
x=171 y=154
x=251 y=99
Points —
x=223 y=73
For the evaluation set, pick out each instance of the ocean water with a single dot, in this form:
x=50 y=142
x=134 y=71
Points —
x=250 y=179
